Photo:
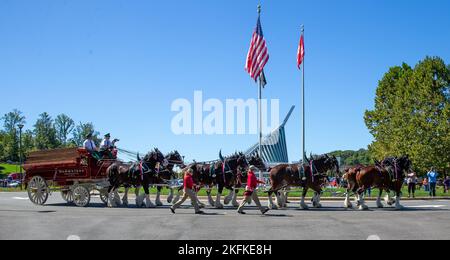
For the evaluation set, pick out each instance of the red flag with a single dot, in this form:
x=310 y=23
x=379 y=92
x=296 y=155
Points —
x=301 y=52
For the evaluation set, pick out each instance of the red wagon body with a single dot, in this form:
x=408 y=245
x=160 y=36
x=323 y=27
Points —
x=73 y=171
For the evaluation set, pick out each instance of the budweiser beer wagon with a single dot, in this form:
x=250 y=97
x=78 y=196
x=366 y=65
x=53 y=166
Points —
x=72 y=171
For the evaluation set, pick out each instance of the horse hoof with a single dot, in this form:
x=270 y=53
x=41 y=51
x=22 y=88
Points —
x=348 y=206
x=236 y=205
x=304 y=207
x=363 y=207
x=219 y=206
x=125 y=204
x=318 y=206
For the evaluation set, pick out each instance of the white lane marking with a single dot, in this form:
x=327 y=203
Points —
x=427 y=206
x=374 y=237
x=19 y=198
x=73 y=237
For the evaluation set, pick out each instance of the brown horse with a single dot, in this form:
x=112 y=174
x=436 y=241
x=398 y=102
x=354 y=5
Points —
x=167 y=174
x=141 y=174
x=227 y=173
x=308 y=176
x=386 y=176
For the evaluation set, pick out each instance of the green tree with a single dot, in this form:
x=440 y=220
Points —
x=2 y=146
x=45 y=133
x=10 y=139
x=81 y=131
x=353 y=158
x=64 y=126
x=27 y=142
x=412 y=115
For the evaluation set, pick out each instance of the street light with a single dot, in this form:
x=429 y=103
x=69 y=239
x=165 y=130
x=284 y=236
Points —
x=20 y=153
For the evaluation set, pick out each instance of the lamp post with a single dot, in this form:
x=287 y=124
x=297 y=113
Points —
x=20 y=153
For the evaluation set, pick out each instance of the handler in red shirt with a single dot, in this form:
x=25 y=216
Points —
x=250 y=192
x=188 y=193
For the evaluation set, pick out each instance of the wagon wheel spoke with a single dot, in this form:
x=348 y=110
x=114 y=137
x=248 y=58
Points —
x=38 y=190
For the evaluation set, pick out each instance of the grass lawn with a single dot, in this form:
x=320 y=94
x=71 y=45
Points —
x=6 y=169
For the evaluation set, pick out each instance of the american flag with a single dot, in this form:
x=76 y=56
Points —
x=258 y=55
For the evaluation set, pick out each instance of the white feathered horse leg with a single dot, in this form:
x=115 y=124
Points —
x=234 y=201
x=379 y=204
x=362 y=202
x=271 y=205
x=398 y=206
x=139 y=198
x=347 y=202
x=111 y=200
x=200 y=204
x=125 y=197
x=303 y=205
x=316 y=200
x=158 y=198
x=170 y=197
x=229 y=197
x=218 y=202
x=210 y=199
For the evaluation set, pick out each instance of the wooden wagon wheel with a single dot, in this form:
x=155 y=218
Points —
x=67 y=195
x=38 y=190
x=103 y=195
x=81 y=196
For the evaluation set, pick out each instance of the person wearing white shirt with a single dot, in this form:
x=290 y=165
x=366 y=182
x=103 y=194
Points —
x=106 y=144
x=89 y=144
x=106 y=147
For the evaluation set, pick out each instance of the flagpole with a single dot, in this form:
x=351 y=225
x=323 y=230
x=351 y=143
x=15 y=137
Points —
x=260 y=116
x=259 y=102
x=303 y=103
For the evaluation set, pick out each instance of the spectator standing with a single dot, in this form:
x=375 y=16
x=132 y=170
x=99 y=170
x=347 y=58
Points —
x=425 y=185
x=446 y=184
x=432 y=179
x=412 y=182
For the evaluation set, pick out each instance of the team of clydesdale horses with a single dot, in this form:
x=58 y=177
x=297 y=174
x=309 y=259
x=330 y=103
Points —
x=230 y=173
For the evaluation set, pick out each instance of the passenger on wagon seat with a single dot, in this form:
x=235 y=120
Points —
x=106 y=146
x=89 y=145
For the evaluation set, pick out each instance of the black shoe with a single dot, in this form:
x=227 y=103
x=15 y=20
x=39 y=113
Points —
x=242 y=212
x=173 y=210
x=199 y=212
x=265 y=211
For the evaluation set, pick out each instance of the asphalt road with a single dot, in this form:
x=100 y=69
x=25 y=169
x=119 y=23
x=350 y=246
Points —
x=20 y=219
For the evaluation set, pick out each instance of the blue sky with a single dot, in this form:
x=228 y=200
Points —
x=120 y=64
